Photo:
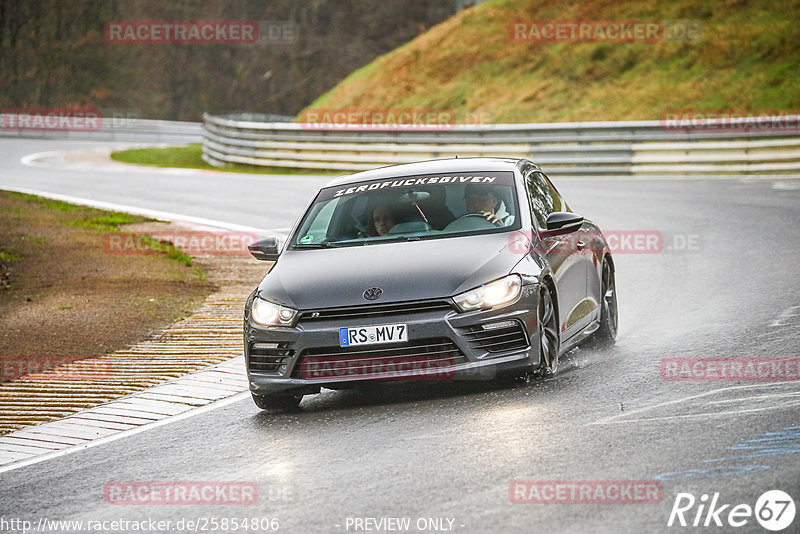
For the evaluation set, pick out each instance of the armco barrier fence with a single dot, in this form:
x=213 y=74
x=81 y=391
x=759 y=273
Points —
x=586 y=148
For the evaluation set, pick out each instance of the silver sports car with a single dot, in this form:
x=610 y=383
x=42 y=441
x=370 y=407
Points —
x=447 y=269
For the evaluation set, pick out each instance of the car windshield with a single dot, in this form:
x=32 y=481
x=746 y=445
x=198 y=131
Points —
x=410 y=208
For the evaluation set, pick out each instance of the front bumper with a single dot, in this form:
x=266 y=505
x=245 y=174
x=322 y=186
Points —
x=443 y=344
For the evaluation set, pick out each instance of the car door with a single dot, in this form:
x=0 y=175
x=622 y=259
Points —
x=565 y=254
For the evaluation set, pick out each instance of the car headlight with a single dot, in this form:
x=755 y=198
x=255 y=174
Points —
x=492 y=295
x=266 y=313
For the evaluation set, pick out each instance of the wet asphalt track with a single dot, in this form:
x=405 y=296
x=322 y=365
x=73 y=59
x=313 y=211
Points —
x=433 y=450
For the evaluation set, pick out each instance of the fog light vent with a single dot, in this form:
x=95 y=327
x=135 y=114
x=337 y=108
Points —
x=501 y=324
x=500 y=336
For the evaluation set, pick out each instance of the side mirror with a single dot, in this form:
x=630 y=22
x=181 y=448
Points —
x=562 y=222
x=265 y=249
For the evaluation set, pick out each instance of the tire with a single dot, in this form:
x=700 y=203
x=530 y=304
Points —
x=277 y=402
x=609 y=314
x=549 y=338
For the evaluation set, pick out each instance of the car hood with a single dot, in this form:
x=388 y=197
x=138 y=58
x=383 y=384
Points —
x=407 y=270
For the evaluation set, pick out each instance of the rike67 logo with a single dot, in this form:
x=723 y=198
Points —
x=774 y=510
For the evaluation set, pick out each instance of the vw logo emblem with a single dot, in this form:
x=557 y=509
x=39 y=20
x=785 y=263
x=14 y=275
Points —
x=373 y=293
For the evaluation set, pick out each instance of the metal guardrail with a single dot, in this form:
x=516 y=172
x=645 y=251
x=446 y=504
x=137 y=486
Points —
x=635 y=147
x=109 y=129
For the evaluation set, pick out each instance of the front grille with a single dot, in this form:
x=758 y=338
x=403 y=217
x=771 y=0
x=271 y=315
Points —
x=374 y=311
x=510 y=337
x=332 y=362
x=268 y=356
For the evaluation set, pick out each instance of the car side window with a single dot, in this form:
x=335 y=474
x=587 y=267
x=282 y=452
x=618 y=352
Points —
x=557 y=202
x=539 y=197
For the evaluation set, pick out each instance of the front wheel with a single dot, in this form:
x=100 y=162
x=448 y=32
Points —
x=277 y=402
x=609 y=316
x=548 y=335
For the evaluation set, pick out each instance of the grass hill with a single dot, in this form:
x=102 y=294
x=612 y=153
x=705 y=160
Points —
x=747 y=60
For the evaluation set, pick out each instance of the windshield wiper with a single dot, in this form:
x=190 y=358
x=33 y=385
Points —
x=327 y=244
x=393 y=239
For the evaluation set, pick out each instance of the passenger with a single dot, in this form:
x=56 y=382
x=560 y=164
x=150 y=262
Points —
x=383 y=219
x=483 y=200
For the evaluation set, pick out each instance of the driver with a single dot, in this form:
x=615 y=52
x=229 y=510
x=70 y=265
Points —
x=483 y=200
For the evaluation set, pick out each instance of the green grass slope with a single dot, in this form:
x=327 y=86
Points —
x=747 y=60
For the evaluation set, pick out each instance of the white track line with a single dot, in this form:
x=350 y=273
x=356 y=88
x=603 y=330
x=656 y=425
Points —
x=623 y=418
x=56 y=159
x=39 y=159
x=145 y=212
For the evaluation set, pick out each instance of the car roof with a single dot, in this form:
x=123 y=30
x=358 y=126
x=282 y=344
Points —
x=435 y=166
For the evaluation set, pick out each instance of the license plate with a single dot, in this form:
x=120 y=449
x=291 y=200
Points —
x=371 y=335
